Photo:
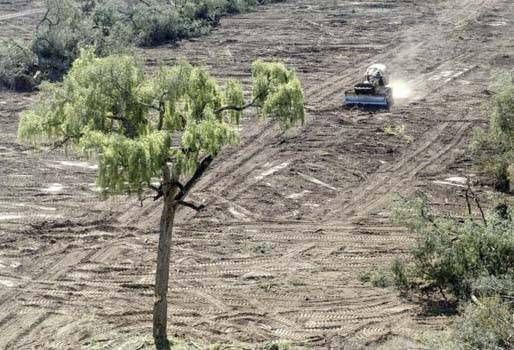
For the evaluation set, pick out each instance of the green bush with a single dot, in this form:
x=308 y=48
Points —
x=487 y=324
x=400 y=275
x=60 y=35
x=155 y=26
x=17 y=66
x=378 y=278
x=488 y=286
x=494 y=149
x=450 y=255
x=471 y=259
x=113 y=26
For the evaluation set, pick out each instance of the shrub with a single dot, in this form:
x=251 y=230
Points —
x=450 y=255
x=471 y=259
x=488 y=286
x=494 y=149
x=60 y=35
x=379 y=278
x=487 y=324
x=113 y=26
x=17 y=66
x=399 y=272
x=153 y=26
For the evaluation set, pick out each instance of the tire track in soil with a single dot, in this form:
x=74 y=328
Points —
x=24 y=323
x=21 y=14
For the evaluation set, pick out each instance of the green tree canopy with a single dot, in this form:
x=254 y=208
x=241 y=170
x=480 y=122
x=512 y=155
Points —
x=134 y=123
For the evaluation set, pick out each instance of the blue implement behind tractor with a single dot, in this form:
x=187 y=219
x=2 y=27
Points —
x=373 y=93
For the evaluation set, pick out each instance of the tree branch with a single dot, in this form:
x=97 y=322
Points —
x=160 y=192
x=200 y=170
x=177 y=184
x=479 y=207
x=149 y=106
x=155 y=188
x=141 y=201
x=161 y=116
x=65 y=140
x=467 y=202
x=60 y=143
x=236 y=108
x=47 y=19
x=191 y=205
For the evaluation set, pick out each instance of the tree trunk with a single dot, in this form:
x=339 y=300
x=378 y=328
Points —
x=160 y=307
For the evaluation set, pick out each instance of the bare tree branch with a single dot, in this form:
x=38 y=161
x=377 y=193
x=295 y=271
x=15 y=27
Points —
x=477 y=201
x=155 y=188
x=236 y=108
x=45 y=18
x=157 y=108
x=200 y=170
x=466 y=193
x=144 y=199
x=191 y=205
x=65 y=140
x=60 y=143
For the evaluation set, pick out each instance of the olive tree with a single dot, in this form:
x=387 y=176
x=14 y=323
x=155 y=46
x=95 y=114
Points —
x=154 y=133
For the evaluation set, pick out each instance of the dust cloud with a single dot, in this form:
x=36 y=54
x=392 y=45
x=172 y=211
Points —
x=401 y=89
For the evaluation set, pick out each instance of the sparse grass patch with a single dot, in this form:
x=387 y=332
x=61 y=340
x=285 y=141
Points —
x=262 y=248
x=278 y=345
x=296 y=281
x=364 y=276
x=266 y=285
x=400 y=274
x=398 y=131
x=378 y=278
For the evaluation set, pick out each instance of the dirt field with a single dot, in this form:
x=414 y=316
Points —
x=292 y=218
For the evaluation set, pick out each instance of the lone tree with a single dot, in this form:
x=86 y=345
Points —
x=158 y=132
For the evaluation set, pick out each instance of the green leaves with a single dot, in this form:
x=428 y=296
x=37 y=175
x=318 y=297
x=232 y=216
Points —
x=136 y=125
x=233 y=96
x=126 y=165
x=450 y=253
x=494 y=149
x=277 y=91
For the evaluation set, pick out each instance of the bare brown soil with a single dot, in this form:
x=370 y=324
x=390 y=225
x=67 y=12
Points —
x=292 y=218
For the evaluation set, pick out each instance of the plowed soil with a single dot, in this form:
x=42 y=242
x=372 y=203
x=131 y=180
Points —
x=292 y=218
